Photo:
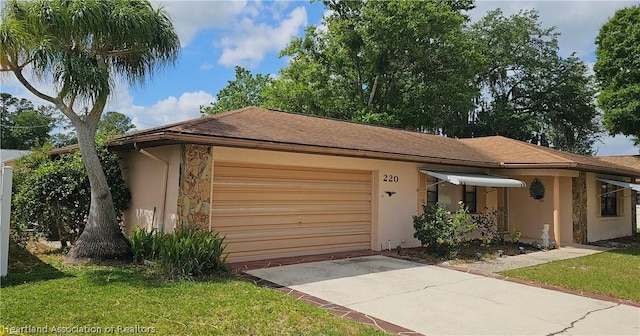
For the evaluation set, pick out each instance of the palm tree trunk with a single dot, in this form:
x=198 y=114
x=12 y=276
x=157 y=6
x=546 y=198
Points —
x=102 y=237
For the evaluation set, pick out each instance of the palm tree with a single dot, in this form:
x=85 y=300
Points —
x=81 y=48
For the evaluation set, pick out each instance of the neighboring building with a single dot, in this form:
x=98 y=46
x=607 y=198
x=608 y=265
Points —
x=282 y=184
x=631 y=161
x=9 y=156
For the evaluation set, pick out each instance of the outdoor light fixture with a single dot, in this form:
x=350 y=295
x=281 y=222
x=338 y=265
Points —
x=479 y=255
x=500 y=252
x=521 y=249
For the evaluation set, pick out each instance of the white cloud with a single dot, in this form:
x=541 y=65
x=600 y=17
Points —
x=189 y=17
x=168 y=110
x=249 y=42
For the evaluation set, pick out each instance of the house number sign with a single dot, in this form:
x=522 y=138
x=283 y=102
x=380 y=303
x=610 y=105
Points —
x=390 y=178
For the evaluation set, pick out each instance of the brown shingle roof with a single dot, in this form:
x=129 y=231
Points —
x=253 y=127
x=631 y=161
x=518 y=154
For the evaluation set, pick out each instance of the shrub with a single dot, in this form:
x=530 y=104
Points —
x=487 y=226
x=194 y=252
x=52 y=195
x=186 y=252
x=145 y=244
x=439 y=230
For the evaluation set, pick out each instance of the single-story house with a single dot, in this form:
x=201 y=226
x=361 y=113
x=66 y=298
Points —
x=631 y=161
x=282 y=184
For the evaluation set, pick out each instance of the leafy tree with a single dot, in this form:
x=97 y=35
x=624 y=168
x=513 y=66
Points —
x=399 y=63
x=24 y=126
x=529 y=92
x=82 y=45
x=245 y=90
x=617 y=70
x=114 y=123
x=54 y=193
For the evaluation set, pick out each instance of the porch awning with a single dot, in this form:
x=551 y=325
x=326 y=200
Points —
x=475 y=179
x=625 y=185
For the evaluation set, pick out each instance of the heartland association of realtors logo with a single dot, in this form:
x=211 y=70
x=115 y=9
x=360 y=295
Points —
x=47 y=329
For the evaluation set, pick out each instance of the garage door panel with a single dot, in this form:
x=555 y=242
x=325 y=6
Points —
x=238 y=221
x=259 y=231
x=278 y=186
x=274 y=211
x=243 y=245
x=294 y=251
x=293 y=196
x=288 y=173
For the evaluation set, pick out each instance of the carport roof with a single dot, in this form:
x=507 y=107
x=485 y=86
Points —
x=259 y=128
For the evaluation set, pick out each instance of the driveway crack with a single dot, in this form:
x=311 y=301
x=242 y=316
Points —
x=573 y=323
x=410 y=291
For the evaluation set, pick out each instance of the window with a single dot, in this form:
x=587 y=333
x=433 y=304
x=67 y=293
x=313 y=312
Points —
x=608 y=200
x=638 y=198
x=470 y=198
x=432 y=190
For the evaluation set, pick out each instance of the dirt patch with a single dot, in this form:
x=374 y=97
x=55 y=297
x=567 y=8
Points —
x=469 y=252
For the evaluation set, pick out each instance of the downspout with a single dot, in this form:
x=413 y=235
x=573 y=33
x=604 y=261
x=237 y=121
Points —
x=165 y=177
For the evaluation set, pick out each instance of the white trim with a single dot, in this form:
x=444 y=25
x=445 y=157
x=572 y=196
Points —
x=475 y=179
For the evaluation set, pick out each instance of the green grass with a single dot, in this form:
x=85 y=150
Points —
x=40 y=291
x=615 y=273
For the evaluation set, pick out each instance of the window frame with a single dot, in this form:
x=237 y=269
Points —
x=432 y=189
x=609 y=200
x=466 y=196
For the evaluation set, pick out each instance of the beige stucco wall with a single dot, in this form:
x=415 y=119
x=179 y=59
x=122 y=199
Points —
x=529 y=215
x=599 y=228
x=145 y=178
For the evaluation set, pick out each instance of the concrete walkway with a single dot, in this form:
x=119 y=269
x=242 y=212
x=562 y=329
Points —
x=533 y=258
x=434 y=300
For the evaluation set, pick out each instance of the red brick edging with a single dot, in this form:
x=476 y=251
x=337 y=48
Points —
x=341 y=311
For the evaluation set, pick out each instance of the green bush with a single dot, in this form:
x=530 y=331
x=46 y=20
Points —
x=186 y=252
x=145 y=244
x=487 y=226
x=440 y=231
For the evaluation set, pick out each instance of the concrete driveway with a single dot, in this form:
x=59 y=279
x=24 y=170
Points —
x=437 y=301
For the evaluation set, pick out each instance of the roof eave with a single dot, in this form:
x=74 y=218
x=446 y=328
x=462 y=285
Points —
x=573 y=166
x=159 y=139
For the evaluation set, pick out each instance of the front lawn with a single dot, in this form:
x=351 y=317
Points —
x=40 y=292
x=615 y=273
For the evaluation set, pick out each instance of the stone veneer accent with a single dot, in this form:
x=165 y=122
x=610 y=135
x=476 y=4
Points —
x=194 y=196
x=579 y=191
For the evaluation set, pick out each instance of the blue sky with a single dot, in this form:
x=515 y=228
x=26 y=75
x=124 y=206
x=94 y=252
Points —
x=217 y=35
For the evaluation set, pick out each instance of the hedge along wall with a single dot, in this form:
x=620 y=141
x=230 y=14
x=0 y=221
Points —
x=194 y=196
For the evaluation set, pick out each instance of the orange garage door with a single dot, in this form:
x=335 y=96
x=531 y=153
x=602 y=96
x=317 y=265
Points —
x=279 y=211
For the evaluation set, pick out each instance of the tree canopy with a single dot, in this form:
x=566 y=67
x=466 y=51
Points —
x=421 y=65
x=528 y=91
x=398 y=63
x=617 y=70
x=245 y=90
x=23 y=125
x=82 y=46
